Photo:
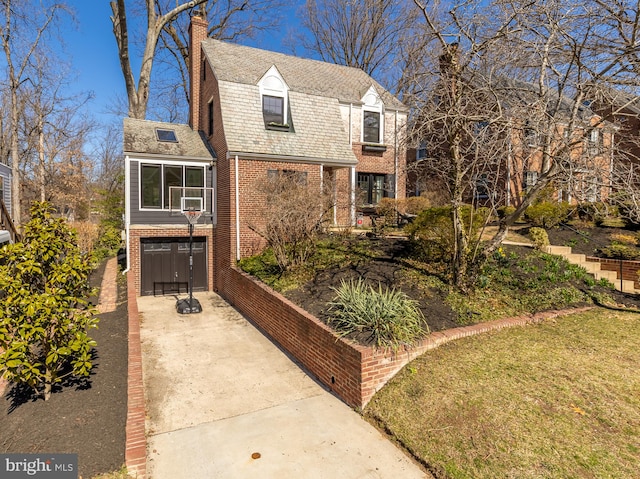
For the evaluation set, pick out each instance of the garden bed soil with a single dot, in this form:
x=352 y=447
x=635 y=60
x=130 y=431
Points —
x=83 y=417
x=584 y=239
x=386 y=269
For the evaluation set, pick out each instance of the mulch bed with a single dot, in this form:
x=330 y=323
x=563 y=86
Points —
x=315 y=295
x=385 y=269
x=83 y=417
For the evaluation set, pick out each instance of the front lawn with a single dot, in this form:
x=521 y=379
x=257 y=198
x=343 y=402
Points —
x=556 y=400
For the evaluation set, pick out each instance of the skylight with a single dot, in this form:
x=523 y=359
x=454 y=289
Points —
x=166 y=135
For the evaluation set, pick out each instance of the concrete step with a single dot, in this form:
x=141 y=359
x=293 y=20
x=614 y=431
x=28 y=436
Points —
x=591 y=266
x=628 y=286
x=559 y=250
x=610 y=276
x=575 y=258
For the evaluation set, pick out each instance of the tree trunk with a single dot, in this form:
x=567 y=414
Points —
x=41 y=169
x=16 y=212
x=48 y=381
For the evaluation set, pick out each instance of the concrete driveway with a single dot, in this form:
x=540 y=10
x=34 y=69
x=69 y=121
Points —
x=224 y=402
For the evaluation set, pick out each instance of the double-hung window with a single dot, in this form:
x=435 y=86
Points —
x=273 y=110
x=595 y=142
x=371 y=127
x=210 y=118
x=162 y=185
x=274 y=94
x=372 y=117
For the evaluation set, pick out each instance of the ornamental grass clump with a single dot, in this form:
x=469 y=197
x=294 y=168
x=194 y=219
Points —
x=388 y=318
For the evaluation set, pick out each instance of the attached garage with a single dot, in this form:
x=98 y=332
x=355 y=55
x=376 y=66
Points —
x=165 y=265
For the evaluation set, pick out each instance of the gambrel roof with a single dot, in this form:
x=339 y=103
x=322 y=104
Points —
x=316 y=91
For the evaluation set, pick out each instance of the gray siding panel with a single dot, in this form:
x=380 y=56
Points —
x=5 y=177
x=163 y=217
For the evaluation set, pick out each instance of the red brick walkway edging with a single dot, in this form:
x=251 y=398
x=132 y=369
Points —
x=136 y=440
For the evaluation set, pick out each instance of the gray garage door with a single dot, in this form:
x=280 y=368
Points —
x=165 y=265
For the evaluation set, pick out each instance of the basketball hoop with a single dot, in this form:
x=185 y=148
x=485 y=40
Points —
x=193 y=216
x=192 y=209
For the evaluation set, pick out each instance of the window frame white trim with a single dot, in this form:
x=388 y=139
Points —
x=267 y=87
x=164 y=163
x=371 y=102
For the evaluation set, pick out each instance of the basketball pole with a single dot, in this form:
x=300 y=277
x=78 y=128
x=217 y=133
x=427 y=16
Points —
x=193 y=305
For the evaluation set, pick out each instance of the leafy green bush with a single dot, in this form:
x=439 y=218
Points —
x=45 y=315
x=109 y=241
x=597 y=212
x=432 y=230
x=505 y=211
x=547 y=214
x=539 y=237
x=619 y=251
x=415 y=204
x=389 y=317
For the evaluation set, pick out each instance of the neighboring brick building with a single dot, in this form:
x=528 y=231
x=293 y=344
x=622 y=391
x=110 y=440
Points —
x=254 y=114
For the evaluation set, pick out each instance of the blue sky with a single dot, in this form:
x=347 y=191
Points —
x=94 y=53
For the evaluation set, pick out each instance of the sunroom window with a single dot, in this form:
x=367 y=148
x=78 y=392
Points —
x=157 y=180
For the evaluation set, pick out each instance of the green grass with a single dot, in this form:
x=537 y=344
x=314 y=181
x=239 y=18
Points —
x=119 y=474
x=330 y=252
x=555 y=400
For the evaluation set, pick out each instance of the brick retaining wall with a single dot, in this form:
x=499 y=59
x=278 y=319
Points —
x=353 y=372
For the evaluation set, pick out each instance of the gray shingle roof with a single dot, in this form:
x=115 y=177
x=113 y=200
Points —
x=316 y=90
x=247 y=65
x=140 y=137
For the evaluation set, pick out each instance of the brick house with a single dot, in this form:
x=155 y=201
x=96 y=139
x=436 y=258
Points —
x=253 y=114
x=521 y=146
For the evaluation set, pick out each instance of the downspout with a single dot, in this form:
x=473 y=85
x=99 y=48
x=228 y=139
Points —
x=395 y=156
x=237 y=211
x=127 y=209
x=611 y=165
x=352 y=173
x=509 y=159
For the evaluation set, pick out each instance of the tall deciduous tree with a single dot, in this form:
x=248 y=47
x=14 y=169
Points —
x=24 y=27
x=503 y=88
x=365 y=34
x=45 y=317
x=138 y=94
x=233 y=20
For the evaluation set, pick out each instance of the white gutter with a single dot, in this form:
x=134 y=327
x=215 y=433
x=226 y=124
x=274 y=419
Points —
x=237 y=210
x=127 y=210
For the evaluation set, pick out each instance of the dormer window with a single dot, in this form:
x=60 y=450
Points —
x=273 y=110
x=372 y=117
x=371 y=127
x=274 y=94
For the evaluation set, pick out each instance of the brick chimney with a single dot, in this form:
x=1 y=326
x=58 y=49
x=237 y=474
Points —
x=197 y=34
